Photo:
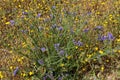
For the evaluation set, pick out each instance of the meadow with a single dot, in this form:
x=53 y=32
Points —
x=59 y=39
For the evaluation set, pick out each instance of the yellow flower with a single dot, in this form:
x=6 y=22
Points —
x=1 y=76
x=68 y=57
x=7 y=23
x=32 y=31
x=118 y=51
x=118 y=40
x=31 y=73
x=107 y=60
x=102 y=68
x=23 y=74
x=101 y=52
x=62 y=65
x=76 y=47
x=11 y=67
x=19 y=60
x=96 y=48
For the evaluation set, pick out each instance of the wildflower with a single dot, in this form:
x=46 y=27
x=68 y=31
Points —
x=15 y=71
x=24 y=13
x=110 y=36
x=53 y=7
x=11 y=67
x=1 y=76
x=102 y=68
x=101 y=52
x=60 y=28
x=61 y=52
x=31 y=73
x=41 y=62
x=12 y=22
x=78 y=43
x=86 y=30
x=23 y=74
x=62 y=65
x=118 y=40
x=96 y=48
x=43 y=49
x=102 y=38
x=89 y=13
x=51 y=16
x=99 y=27
x=56 y=46
x=7 y=23
x=107 y=60
x=69 y=57
x=54 y=26
x=76 y=47
x=38 y=15
x=60 y=78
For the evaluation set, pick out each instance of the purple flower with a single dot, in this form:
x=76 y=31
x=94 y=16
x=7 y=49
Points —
x=110 y=36
x=60 y=28
x=43 y=49
x=99 y=27
x=61 y=53
x=24 y=13
x=86 y=30
x=103 y=38
x=89 y=13
x=15 y=71
x=53 y=7
x=54 y=26
x=38 y=15
x=60 y=78
x=78 y=43
x=45 y=78
x=56 y=46
x=12 y=22
x=51 y=16
x=41 y=62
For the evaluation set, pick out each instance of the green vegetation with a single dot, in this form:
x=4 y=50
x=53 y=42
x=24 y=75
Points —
x=59 y=39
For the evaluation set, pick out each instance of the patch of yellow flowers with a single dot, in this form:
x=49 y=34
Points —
x=1 y=75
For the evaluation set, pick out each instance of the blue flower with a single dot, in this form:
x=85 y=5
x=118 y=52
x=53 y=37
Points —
x=99 y=27
x=53 y=7
x=56 y=46
x=110 y=36
x=60 y=28
x=43 y=49
x=12 y=22
x=15 y=71
x=54 y=26
x=78 y=43
x=86 y=30
x=60 y=78
x=102 y=38
x=41 y=62
x=61 y=53
x=24 y=13
x=38 y=15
